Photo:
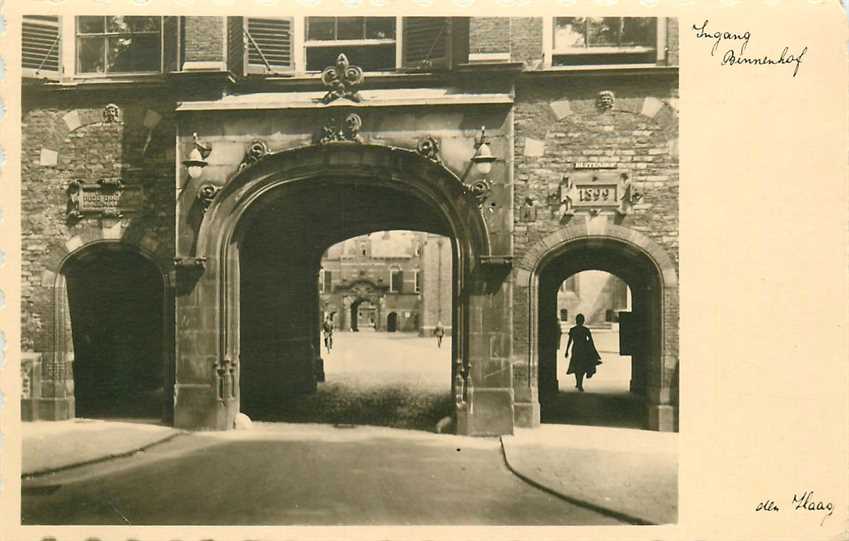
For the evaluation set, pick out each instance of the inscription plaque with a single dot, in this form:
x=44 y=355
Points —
x=107 y=198
x=597 y=191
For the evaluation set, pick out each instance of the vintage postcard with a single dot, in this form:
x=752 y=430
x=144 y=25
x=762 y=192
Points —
x=449 y=270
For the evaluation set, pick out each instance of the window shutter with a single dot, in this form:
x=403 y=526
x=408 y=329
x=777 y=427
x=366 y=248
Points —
x=171 y=39
x=427 y=43
x=41 y=45
x=236 y=45
x=269 y=45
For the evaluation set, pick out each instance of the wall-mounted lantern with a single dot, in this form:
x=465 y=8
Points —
x=483 y=157
x=197 y=158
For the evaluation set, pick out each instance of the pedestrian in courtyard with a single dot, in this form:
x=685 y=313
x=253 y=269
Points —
x=327 y=327
x=585 y=357
x=439 y=332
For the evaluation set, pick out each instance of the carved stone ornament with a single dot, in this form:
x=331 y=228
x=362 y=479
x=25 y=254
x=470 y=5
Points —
x=106 y=198
x=341 y=81
x=348 y=130
x=111 y=113
x=480 y=190
x=597 y=192
x=605 y=101
x=429 y=148
x=256 y=151
x=225 y=378
x=206 y=194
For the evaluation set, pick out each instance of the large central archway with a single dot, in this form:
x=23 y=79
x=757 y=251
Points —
x=279 y=216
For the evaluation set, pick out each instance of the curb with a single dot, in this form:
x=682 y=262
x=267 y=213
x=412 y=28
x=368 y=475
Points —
x=624 y=517
x=105 y=458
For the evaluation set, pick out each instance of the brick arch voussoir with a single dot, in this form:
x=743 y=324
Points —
x=552 y=243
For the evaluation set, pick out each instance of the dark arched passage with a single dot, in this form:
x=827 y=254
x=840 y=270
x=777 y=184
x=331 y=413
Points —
x=116 y=300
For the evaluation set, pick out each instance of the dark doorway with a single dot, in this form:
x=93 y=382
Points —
x=355 y=316
x=116 y=300
x=392 y=322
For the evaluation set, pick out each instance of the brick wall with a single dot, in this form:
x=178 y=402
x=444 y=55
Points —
x=489 y=35
x=526 y=41
x=672 y=41
x=71 y=142
x=204 y=39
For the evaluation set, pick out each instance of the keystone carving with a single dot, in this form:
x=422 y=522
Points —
x=111 y=114
x=348 y=130
x=341 y=81
x=605 y=101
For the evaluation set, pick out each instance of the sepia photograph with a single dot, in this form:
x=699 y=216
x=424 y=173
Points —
x=362 y=270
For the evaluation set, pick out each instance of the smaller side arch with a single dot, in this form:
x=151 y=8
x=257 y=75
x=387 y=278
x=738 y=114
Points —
x=662 y=394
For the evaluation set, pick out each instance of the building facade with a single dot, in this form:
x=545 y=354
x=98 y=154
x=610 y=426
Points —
x=182 y=178
x=392 y=281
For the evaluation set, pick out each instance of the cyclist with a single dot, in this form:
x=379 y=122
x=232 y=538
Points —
x=327 y=327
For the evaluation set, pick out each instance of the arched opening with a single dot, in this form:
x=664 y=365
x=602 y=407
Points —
x=116 y=301
x=259 y=246
x=392 y=322
x=626 y=294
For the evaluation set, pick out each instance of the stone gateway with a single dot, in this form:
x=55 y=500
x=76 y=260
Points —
x=176 y=213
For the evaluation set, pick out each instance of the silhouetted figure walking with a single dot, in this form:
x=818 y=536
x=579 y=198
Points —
x=439 y=332
x=585 y=357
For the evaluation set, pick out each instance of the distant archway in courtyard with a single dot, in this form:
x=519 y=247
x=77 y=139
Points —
x=265 y=235
x=118 y=320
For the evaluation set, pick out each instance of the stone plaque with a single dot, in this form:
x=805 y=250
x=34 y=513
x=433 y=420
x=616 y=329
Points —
x=107 y=198
x=594 y=165
x=597 y=191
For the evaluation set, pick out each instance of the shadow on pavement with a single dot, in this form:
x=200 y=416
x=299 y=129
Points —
x=619 y=410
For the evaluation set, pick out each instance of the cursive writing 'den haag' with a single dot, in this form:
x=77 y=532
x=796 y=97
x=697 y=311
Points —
x=733 y=57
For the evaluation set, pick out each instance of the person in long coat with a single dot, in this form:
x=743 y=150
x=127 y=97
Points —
x=585 y=357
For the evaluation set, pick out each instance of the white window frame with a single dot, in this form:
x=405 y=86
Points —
x=549 y=52
x=301 y=43
x=71 y=61
x=60 y=50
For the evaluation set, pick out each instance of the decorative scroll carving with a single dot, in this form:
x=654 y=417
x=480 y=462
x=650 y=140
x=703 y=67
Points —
x=480 y=190
x=111 y=114
x=429 y=148
x=255 y=152
x=348 y=130
x=206 y=194
x=106 y=198
x=605 y=101
x=341 y=81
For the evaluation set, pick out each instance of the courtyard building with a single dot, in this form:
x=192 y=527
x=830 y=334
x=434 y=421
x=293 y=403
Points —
x=187 y=182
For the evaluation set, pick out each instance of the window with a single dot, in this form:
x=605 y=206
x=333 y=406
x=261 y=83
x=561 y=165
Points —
x=368 y=42
x=418 y=280
x=325 y=281
x=604 y=40
x=396 y=280
x=40 y=47
x=119 y=45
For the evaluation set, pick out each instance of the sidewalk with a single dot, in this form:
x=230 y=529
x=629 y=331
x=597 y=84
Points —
x=624 y=471
x=50 y=446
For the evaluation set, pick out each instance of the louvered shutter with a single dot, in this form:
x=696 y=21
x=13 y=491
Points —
x=236 y=53
x=427 y=43
x=41 y=47
x=269 y=45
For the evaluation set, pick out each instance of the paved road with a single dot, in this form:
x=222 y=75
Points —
x=302 y=474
